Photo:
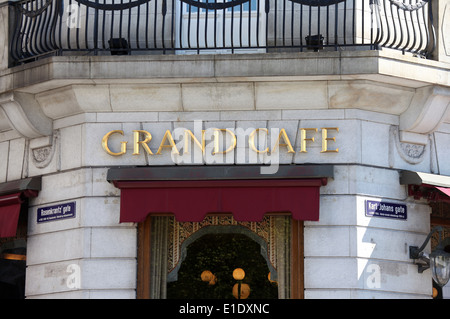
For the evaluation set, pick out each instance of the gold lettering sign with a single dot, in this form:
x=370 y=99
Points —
x=287 y=142
x=123 y=148
x=251 y=140
x=188 y=136
x=216 y=141
x=303 y=138
x=144 y=143
x=142 y=138
x=325 y=139
x=168 y=137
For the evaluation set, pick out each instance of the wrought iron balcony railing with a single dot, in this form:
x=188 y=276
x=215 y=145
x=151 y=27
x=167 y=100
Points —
x=60 y=27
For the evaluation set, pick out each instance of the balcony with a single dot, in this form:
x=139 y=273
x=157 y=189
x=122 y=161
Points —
x=41 y=28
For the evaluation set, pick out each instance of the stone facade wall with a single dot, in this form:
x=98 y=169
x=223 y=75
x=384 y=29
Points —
x=391 y=110
x=347 y=254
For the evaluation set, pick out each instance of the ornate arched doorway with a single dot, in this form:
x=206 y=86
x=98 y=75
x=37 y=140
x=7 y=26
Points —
x=207 y=269
x=172 y=256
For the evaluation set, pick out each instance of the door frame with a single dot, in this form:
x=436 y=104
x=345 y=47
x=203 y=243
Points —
x=144 y=259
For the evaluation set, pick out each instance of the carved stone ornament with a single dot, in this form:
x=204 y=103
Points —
x=42 y=156
x=409 y=152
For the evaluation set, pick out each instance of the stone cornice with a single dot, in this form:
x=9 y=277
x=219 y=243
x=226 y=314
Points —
x=25 y=115
x=416 y=90
x=382 y=66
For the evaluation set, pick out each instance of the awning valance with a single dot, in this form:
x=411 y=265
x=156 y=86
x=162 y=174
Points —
x=431 y=187
x=12 y=195
x=9 y=214
x=190 y=193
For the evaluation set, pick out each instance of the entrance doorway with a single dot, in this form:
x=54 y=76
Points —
x=172 y=256
x=13 y=257
x=207 y=271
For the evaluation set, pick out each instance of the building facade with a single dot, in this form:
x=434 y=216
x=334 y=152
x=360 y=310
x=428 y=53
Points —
x=132 y=133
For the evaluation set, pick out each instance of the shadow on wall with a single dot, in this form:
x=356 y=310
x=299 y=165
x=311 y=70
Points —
x=383 y=247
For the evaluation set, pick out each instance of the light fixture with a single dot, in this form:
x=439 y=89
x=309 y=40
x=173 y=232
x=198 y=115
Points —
x=238 y=274
x=314 y=42
x=438 y=260
x=208 y=277
x=240 y=290
x=119 y=46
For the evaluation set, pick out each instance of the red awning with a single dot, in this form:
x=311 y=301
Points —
x=430 y=192
x=12 y=195
x=434 y=188
x=9 y=214
x=445 y=190
x=247 y=200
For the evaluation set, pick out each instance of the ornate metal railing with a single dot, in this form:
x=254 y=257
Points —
x=43 y=27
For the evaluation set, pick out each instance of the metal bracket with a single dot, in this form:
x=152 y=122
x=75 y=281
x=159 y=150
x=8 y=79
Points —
x=415 y=253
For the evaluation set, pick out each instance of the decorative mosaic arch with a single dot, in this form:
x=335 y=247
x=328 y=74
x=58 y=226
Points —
x=182 y=234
